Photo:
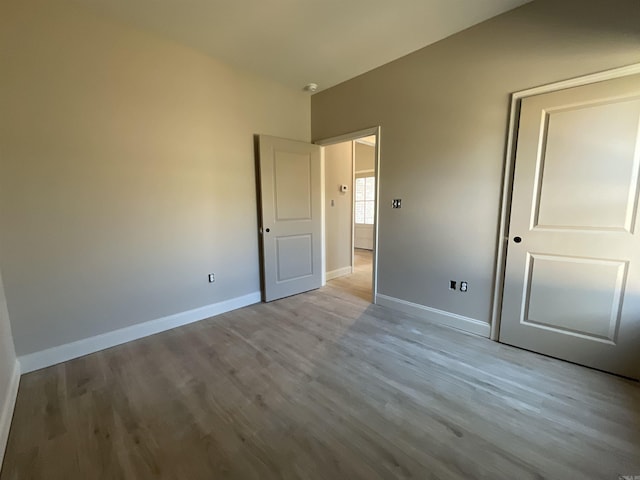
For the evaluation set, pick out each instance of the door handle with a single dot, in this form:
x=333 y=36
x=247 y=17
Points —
x=267 y=230
x=515 y=239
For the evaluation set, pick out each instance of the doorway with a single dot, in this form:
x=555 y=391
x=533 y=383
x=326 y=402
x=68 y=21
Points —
x=572 y=250
x=351 y=206
x=294 y=194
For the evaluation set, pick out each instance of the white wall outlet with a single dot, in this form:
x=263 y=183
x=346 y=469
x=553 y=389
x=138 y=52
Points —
x=212 y=277
x=463 y=286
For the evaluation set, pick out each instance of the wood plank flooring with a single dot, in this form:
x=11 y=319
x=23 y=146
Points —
x=360 y=282
x=322 y=385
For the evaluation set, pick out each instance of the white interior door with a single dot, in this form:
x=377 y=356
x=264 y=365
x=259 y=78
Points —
x=291 y=223
x=572 y=280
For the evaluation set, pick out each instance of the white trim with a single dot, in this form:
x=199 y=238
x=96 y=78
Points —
x=347 y=137
x=434 y=315
x=323 y=221
x=580 y=81
x=376 y=218
x=352 y=199
x=8 y=405
x=507 y=180
x=340 y=272
x=62 y=353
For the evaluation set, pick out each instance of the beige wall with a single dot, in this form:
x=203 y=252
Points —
x=365 y=157
x=443 y=112
x=127 y=173
x=338 y=217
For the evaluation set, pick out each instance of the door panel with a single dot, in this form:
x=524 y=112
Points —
x=291 y=216
x=292 y=185
x=574 y=296
x=603 y=195
x=572 y=280
x=294 y=257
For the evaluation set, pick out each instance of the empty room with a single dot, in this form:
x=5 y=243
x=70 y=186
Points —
x=319 y=239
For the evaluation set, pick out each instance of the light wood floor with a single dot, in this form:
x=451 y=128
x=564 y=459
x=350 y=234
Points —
x=322 y=386
x=360 y=282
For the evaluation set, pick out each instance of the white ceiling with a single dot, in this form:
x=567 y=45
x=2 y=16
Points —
x=296 y=42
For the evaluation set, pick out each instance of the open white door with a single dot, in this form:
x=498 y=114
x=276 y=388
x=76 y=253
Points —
x=572 y=280
x=291 y=216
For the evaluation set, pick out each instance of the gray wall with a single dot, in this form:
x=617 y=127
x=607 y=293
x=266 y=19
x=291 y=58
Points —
x=127 y=173
x=338 y=160
x=443 y=112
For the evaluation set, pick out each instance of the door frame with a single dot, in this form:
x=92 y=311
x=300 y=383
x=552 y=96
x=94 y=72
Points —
x=350 y=137
x=509 y=167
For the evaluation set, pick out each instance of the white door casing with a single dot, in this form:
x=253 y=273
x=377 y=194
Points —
x=572 y=285
x=290 y=174
x=372 y=131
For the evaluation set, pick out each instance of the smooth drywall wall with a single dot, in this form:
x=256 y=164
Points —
x=338 y=160
x=127 y=173
x=444 y=112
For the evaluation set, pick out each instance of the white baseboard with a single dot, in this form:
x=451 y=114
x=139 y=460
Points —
x=6 y=409
x=434 y=315
x=339 y=273
x=62 y=353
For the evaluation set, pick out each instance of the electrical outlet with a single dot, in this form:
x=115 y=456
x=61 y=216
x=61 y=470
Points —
x=464 y=286
x=396 y=203
x=452 y=284
x=212 y=277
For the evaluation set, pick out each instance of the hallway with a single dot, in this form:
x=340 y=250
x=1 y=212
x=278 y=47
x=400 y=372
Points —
x=359 y=283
